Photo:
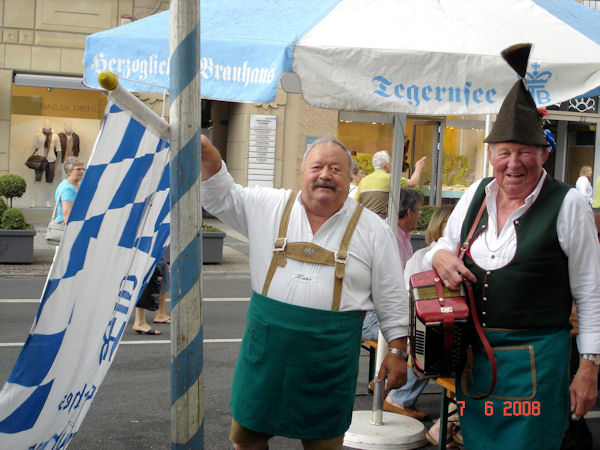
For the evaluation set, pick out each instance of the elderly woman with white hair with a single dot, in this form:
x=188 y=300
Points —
x=67 y=189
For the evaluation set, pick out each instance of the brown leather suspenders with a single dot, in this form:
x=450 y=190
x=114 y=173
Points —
x=309 y=252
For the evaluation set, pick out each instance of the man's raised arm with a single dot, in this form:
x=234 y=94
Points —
x=211 y=158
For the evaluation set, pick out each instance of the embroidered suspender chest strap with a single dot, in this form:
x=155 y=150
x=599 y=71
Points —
x=340 y=258
x=278 y=258
x=312 y=253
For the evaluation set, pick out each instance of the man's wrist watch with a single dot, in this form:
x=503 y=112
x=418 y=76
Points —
x=592 y=357
x=397 y=351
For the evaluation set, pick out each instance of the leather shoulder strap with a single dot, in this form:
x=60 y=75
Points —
x=278 y=258
x=471 y=296
x=340 y=258
x=461 y=250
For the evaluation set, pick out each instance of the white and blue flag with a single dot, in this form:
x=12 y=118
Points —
x=117 y=230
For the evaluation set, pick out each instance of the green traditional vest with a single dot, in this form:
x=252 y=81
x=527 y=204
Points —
x=532 y=290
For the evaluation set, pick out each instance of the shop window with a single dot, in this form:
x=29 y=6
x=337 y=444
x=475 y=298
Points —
x=366 y=138
x=460 y=141
x=73 y=117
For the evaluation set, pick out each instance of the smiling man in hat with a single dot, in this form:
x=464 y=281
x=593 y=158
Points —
x=535 y=253
x=317 y=261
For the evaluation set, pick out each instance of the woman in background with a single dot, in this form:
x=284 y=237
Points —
x=357 y=175
x=67 y=189
x=435 y=230
x=583 y=184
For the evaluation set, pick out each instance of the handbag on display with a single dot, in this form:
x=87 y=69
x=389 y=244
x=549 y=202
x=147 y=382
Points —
x=55 y=230
x=439 y=325
x=35 y=161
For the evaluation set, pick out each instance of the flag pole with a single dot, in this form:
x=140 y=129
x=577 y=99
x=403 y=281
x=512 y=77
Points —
x=187 y=417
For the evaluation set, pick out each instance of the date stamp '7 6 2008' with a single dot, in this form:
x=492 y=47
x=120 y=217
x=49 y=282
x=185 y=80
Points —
x=509 y=408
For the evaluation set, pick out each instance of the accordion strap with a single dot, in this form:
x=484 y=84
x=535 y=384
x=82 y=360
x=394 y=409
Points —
x=461 y=250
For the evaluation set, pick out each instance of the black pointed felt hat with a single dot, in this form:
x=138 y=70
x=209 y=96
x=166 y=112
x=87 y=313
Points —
x=518 y=119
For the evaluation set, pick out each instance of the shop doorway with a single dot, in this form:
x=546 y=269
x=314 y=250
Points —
x=581 y=138
x=425 y=140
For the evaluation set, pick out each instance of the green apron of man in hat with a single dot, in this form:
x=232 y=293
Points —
x=535 y=255
x=318 y=260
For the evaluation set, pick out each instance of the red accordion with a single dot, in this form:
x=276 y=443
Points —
x=438 y=326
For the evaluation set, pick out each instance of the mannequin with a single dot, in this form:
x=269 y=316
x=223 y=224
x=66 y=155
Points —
x=69 y=141
x=47 y=143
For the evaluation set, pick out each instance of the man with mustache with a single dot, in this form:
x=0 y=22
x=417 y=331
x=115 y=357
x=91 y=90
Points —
x=318 y=260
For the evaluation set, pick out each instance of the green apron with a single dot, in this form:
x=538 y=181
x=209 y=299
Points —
x=297 y=370
x=529 y=407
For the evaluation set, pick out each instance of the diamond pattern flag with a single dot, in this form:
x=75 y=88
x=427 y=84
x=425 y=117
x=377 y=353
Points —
x=118 y=229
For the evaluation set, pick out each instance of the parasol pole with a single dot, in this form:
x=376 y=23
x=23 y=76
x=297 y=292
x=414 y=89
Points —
x=379 y=429
x=486 y=161
x=187 y=418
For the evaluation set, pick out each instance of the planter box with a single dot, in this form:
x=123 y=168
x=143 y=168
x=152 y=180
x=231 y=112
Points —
x=16 y=246
x=212 y=247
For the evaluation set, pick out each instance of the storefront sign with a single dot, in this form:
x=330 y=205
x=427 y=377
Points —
x=261 y=150
x=58 y=102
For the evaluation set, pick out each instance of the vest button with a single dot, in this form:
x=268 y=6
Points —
x=488 y=273
x=483 y=313
x=484 y=299
x=486 y=285
x=517 y=222
x=483 y=325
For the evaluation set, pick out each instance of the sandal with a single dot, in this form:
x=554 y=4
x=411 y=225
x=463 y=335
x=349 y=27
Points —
x=433 y=434
x=150 y=332
x=457 y=436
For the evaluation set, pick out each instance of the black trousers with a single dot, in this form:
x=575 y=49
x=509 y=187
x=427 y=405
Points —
x=47 y=167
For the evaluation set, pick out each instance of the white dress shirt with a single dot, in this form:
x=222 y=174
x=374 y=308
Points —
x=577 y=236
x=373 y=276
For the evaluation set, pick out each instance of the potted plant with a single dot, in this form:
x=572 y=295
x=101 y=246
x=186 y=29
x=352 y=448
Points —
x=16 y=235
x=212 y=244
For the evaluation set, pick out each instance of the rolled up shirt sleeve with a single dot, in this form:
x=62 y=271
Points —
x=225 y=199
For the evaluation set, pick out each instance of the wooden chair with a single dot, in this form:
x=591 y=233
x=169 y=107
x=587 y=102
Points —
x=371 y=346
x=448 y=396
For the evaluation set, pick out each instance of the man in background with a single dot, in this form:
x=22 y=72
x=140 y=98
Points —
x=374 y=190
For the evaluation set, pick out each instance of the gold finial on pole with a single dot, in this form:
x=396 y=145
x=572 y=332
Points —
x=108 y=80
